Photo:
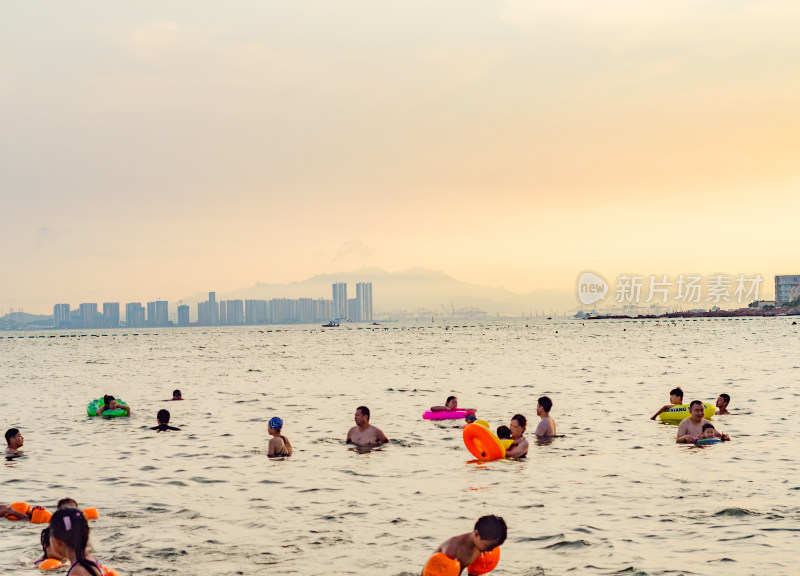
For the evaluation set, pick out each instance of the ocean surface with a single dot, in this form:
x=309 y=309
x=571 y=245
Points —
x=614 y=495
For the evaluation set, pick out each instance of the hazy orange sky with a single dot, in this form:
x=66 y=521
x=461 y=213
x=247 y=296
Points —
x=153 y=150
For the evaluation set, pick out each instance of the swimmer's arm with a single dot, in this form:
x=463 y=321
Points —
x=9 y=512
x=519 y=450
x=381 y=437
x=271 y=449
x=126 y=408
x=667 y=407
x=349 y=440
x=438 y=408
x=543 y=429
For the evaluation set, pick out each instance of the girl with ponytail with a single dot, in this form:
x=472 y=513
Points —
x=69 y=537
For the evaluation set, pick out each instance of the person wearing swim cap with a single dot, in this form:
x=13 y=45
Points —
x=364 y=434
x=176 y=395
x=279 y=444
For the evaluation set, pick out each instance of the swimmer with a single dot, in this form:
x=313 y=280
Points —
x=709 y=432
x=110 y=403
x=691 y=429
x=364 y=433
x=14 y=441
x=470 y=418
x=722 y=404
x=547 y=426
x=69 y=537
x=675 y=399
x=176 y=395
x=503 y=432
x=47 y=549
x=163 y=417
x=451 y=405
x=489 y=533
x=9 y=512
x=279 y=444
x=44 y=539
x=519 y=446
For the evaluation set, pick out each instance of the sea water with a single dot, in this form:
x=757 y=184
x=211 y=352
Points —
x=613 y=495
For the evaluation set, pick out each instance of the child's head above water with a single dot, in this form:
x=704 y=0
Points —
x=470 y=418
x=66 y=503
x=503 y=432
x=492 y=531
x=676 y=396
x=451 y=403
x=109 y=400
x=69 y=532
x=708 y=430
x=176 y=395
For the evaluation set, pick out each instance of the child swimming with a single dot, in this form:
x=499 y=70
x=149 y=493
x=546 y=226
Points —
x=675 y=399
x=503 y=432
x=163 y=422
x=489 y=533
x=69 y=537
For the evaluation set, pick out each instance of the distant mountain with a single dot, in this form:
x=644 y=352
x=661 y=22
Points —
x=16 y=320
x=413 y=290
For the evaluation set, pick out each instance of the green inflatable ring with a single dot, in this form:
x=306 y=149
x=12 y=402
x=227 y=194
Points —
x=95 y=405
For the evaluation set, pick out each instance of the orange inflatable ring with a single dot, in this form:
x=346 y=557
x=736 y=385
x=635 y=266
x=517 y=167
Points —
x=40 y=516
x=442 y=565
x=91 y=513
x=22 y=508
x=50 y=564
x=482 y=443
x=485 y=563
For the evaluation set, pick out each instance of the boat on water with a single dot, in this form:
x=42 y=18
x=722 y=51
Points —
x=331 y=324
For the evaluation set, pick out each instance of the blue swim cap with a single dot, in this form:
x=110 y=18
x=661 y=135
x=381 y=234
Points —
x=275 y=423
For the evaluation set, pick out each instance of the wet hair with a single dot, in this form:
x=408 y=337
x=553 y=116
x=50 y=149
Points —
x=364 y=411
x=677 y=392
x=44 y=539
x=708 y=425
x=545 y=403
x=66 y=503
x=492 y=529
x=70 y=526
x=448 y=399
x=10 y=433
x=107 y=399
x=693 y=403
x=725 y=397
x=521 y=420
x=163 y=416
x=176 y=393
x=503 y=432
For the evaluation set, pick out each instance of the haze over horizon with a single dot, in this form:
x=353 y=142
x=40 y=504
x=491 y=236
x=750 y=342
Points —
x=151 y=150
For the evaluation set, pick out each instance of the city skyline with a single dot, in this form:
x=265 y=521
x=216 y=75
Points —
x=221 y=313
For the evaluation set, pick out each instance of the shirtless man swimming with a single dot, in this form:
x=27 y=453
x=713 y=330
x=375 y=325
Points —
x=547 y=426
x=691 y=428
x=14 y=440
x=363 y=433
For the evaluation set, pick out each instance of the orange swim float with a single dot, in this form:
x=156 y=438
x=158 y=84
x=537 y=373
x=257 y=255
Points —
x=441 y=565
x=482 y=443
x=22 y=508
x=40 y=516
x=50 y=564
x=485 y=563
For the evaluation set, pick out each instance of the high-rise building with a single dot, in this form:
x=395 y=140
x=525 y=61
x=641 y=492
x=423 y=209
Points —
x=305 y=310
x=256 y=311
x=111 y=314
x=183 y=315
x=785 y=288
x=352 y=310
x=323 y=310
x=208 y=311
x=235 y=312
x=88 y=312
x=223 y=313
x=61 y=316
x=158 y=313
x=364 y=298
x=134 y=315
x=340 y=301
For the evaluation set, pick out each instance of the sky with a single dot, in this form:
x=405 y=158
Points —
x=154 y=150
